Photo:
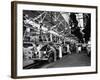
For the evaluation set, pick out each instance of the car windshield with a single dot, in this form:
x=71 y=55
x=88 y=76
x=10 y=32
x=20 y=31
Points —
x=26 y=45
x=43 y=48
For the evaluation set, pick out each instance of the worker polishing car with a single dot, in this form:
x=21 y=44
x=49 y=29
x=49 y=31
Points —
x=47 y=52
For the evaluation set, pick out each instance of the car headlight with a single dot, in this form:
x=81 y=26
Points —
x=35 y=52
x=44 y=52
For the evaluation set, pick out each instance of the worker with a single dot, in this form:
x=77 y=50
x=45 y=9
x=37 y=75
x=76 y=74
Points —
x=52 y=49
x=60 y=51
x=68 y=49
x=38 y=50
x=79 y=48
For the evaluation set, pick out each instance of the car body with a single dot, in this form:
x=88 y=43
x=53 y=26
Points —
x=48 y=52
x=28 y=50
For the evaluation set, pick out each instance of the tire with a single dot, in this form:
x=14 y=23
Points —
x=51 y=58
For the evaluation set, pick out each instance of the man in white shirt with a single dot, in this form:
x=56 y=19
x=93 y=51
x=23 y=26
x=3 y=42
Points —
x=79 y=49
x=68 y=49
x=60 y=52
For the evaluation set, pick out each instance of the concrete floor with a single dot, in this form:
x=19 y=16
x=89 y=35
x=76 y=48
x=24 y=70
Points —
x=71 y=60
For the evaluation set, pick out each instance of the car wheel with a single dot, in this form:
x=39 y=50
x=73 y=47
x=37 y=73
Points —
x=51 y=58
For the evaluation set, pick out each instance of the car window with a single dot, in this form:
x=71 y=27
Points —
x=43 y=48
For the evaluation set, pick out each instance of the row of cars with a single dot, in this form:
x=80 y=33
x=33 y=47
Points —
x=47 y=51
